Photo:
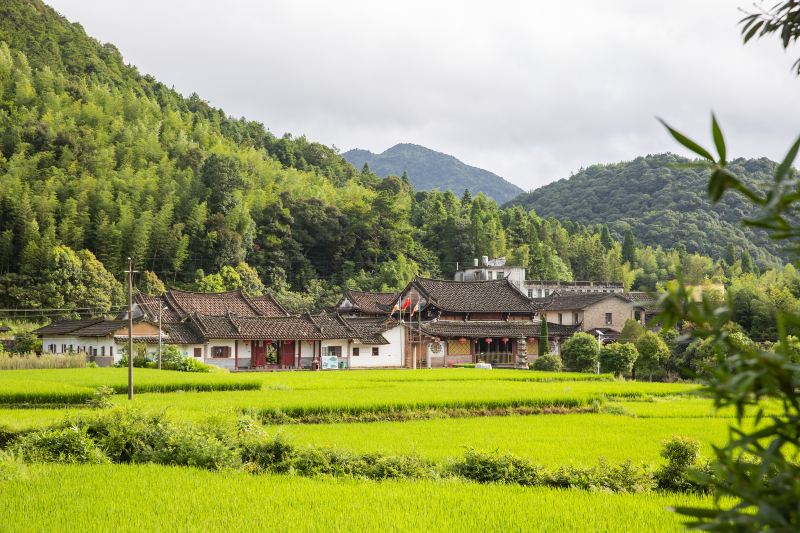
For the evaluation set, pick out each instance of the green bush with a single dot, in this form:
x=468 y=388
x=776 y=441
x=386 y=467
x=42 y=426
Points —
x=60 y=445
x=580 y=353
x=547 y=363
x=685 y=470
x=187 y=446
x=618 y=358
x=101 y=398
x=498 y=468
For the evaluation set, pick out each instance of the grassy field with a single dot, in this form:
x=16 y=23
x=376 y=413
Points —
x=550 y=440
x=149 y=498
x=618 y=421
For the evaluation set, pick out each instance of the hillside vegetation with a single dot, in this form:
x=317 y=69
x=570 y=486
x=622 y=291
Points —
x=428 y=169
x=663 y=203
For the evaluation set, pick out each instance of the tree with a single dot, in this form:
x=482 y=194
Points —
x=605 y=237
x=618 y=358
x=628 y=247
x=250 y=282
x=544 y=340
x=222 y=177
x=580 y=353
x=151 y=285
x=653 y=353
x=747 y=262
x=631 y=331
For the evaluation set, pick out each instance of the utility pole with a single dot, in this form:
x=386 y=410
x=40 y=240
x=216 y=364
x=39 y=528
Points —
x=130 y=272
x=160 y=310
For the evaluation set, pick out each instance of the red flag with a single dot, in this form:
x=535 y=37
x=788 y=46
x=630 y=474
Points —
x=406 y=303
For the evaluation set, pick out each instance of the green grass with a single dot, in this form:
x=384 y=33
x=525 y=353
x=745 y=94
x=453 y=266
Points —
x=157 y=498
x=76 y=385
x=550 y=440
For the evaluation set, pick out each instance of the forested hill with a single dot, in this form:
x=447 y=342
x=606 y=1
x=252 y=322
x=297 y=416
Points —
x=428 y=169
x=663 y=204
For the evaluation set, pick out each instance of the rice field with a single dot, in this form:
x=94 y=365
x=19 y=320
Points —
x=598 y=417
x=157 y=498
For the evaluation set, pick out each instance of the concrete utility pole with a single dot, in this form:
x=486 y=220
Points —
x=160 y=310
x=130 y=272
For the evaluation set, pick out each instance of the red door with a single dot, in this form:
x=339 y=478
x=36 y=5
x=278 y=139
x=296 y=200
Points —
x=258 y=354
x=287 y=353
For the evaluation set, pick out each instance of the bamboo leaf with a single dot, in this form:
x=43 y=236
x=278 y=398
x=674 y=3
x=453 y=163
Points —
x=719 y=140
x=687 y=142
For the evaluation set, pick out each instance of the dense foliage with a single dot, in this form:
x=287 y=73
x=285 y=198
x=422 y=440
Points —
x=428 y=169
x=663 y=202
x=99 y=163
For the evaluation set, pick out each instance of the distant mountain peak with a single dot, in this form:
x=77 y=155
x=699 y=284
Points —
x=428 y=169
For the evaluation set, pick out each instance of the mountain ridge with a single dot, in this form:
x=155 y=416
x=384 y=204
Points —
x=663 y=204
x=430 y=169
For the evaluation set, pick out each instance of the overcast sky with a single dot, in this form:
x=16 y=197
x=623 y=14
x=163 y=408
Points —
x=530 y=90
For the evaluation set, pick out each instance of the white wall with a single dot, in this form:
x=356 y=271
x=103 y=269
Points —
x=389 y=355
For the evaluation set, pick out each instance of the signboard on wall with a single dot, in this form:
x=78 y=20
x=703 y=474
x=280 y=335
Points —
x=330 y=362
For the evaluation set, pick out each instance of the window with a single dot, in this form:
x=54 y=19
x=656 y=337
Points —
x=220 y=351
x=530 y=293
x=334 y=351
x=376 y=351
x=198 y=352
x=355 y=352
x=489 y=274
x=102 y=350
x=609 y=319
x=575 y=318
x=560 y=318
x=63 y=348
x=111 y=351
x=500 y=274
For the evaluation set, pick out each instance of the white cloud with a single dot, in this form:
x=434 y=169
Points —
x=529 y=90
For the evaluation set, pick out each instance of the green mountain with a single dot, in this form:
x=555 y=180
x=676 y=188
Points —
x=428 y=169
x=664 y=204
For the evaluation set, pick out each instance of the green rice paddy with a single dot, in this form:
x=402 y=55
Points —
x=598 y=417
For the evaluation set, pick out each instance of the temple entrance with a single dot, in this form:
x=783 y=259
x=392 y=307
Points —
x=496 y=350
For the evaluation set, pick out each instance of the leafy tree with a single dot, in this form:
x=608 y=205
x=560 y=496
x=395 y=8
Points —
x=544 y=340
x=628 y=247
x=151 y=285
x=618 y=358
x=580 y=353
x=653 y=353
x=631 y=331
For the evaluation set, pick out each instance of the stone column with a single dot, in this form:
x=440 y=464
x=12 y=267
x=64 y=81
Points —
x=522 y=353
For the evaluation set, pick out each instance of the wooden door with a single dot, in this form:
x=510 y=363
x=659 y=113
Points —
x=257 y=354
x=286 y=356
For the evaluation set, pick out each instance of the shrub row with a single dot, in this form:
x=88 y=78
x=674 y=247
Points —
x=128 y=436
x=416 y=411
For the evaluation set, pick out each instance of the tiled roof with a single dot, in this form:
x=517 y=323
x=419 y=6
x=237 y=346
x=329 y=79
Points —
x=475 y=296
x=241 y=327
x=373 y=303
x=333 y=326
x=66 y=327
x=182 y=333
x=511 y=328
x=575 y=300
x=267 y=305
x=210 y=303
x=101 y=329
x=150 y=305
x=370 y=329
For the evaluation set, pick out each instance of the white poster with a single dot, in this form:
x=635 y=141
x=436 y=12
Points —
x=330 y=362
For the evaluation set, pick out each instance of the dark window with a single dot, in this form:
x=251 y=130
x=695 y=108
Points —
x=560 y=318
x=334 y=350
x=574 y=318
x=198 y=352
x=375 y=351
x=111 y=350
x=102 y=350
x=355 y=352
x=609 y=319
x=220 y=351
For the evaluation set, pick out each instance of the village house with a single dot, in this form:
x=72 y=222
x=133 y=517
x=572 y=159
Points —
x=234 y=331
x=474 y=321
x=593 y=312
